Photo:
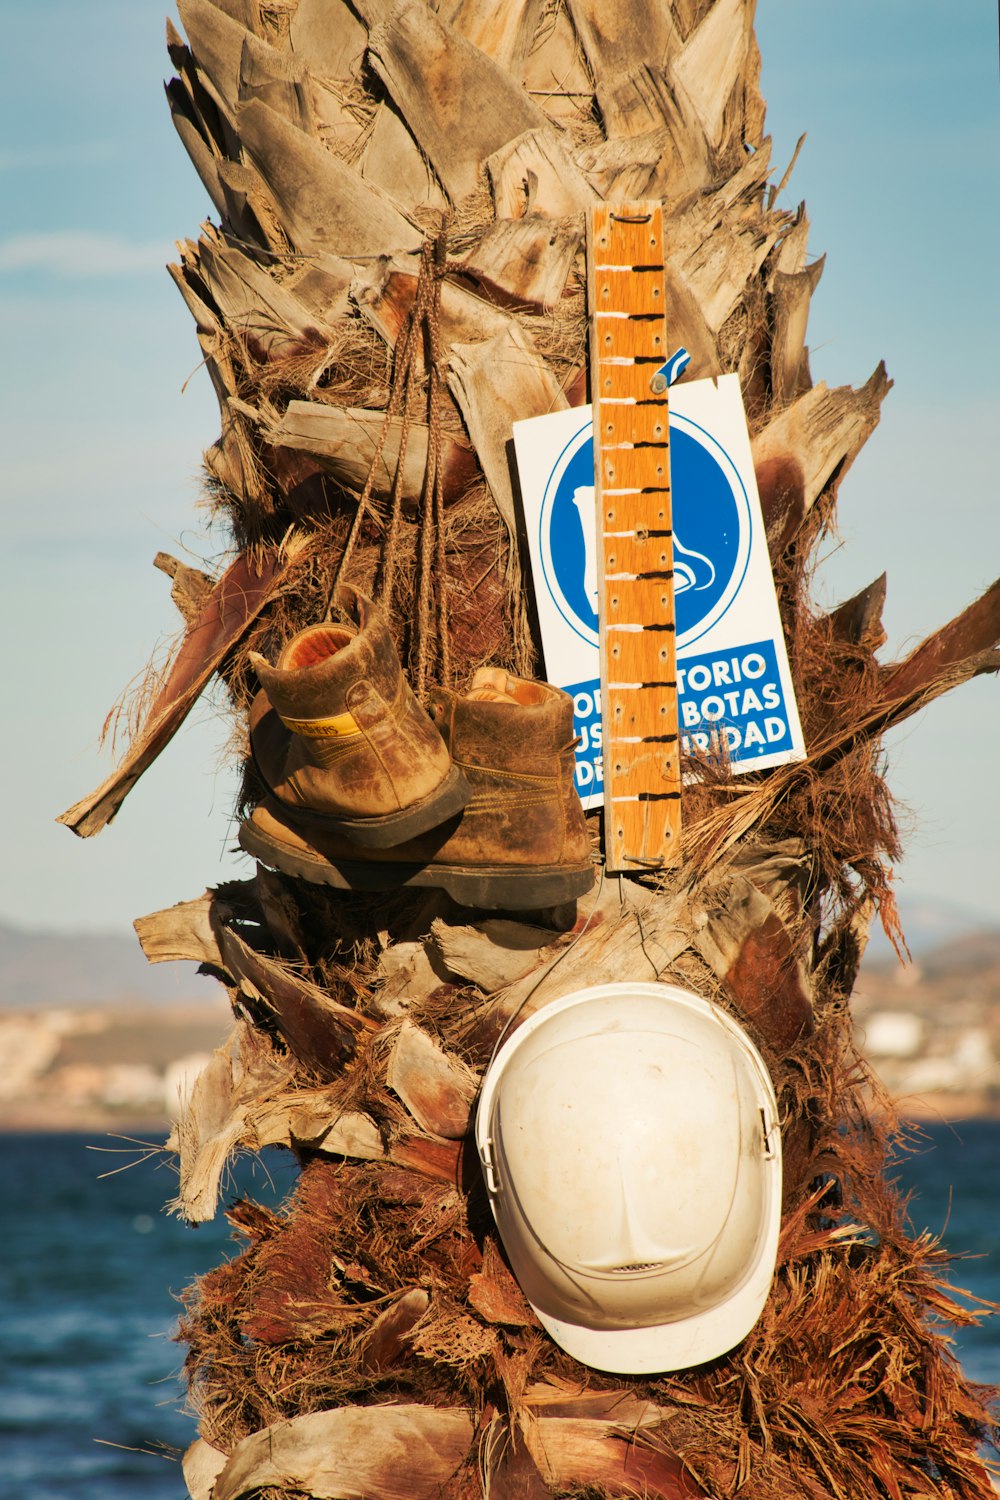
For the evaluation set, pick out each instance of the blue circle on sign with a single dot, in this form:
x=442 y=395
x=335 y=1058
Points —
x=711 y=527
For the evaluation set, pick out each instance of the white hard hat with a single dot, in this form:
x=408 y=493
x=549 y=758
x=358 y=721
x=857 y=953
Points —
x=630 y=1144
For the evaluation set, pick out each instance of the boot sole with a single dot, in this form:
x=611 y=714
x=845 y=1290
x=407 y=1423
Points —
x=389 y=829
x=492 y=888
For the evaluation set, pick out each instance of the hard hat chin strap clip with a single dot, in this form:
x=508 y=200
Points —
x=489 y=1169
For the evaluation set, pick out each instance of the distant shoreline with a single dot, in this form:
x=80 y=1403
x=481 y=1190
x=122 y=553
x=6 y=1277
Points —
x=26 y=1118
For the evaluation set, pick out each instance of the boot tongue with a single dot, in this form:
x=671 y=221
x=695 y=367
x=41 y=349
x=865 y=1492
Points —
x=313 y=646
x=494 y=685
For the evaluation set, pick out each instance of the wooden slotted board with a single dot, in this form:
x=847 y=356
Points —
x=628 y=343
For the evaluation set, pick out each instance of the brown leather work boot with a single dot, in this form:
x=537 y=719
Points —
x=340 y=741
x=519 y=844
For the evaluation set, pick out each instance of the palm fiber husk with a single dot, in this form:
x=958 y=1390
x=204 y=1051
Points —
x=359 y=276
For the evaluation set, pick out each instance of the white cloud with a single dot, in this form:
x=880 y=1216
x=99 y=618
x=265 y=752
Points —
x=80 y=253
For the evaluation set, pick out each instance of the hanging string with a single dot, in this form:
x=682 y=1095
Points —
x=397 y=397
x=421 y=331
x=432 y=529
x=435 y=423
x=415 y=337
x=390 y=555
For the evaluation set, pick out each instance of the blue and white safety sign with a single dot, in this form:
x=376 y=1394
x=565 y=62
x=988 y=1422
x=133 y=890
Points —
x=734 y=685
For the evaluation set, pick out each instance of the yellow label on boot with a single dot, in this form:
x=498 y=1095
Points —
x=323 y=729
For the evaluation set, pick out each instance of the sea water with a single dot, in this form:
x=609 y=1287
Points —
x=90 y=1400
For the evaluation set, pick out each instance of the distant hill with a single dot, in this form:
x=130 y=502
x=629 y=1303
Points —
x=971 y=953
x=931 y=924
x=41 y=970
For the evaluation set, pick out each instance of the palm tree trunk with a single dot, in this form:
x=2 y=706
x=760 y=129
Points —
x=370 y=1339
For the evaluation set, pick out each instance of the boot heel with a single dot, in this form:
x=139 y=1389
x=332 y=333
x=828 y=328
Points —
x=498 y=889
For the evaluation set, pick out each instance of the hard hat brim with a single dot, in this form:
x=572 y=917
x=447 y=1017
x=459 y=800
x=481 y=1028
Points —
x=704 y=1336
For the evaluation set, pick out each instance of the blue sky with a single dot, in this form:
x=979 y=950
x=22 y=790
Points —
x=104 y=415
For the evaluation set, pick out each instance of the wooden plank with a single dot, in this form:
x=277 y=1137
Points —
x=627 y=294
x=687 y=325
